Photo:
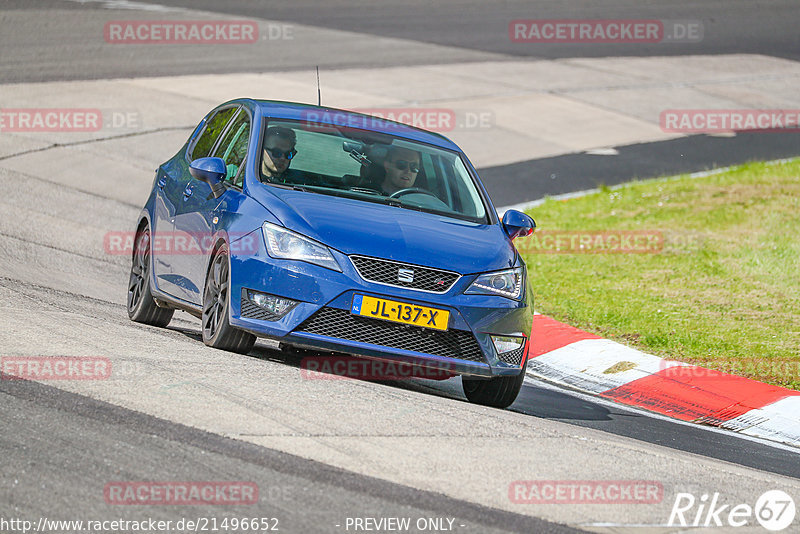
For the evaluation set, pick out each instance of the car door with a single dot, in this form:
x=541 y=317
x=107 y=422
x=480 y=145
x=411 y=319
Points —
x=170 y=178
x=191 y=226
x=233 y=150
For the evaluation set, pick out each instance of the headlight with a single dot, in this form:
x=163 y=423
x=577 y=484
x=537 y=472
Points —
x=507 y=283
x=287 y=245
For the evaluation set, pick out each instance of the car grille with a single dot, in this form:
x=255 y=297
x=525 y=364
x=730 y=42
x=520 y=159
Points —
x=513 y=357
x=341 y=324
x=386 y=272
x=252 y=311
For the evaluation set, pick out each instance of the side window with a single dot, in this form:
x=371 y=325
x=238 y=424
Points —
x=233 y=148
x=212 y=131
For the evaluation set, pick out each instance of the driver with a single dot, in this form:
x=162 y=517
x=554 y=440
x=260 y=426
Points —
x=279 y=150
x=401 y=166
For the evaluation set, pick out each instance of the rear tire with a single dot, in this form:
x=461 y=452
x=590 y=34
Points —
x=498 y=392
x=217 y=330
x=141 y=304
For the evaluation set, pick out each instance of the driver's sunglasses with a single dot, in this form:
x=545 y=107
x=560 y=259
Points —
x=403 y=165
x=278 y=153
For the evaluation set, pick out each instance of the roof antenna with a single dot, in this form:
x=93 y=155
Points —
x=319 y=92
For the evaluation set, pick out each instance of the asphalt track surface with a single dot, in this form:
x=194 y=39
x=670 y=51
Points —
x=569 y=173
x=60 y=447
x=96 y=442
x=466 y=31
x=730 y=26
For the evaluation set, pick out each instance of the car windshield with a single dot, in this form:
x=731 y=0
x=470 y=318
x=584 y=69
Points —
x=369 y=166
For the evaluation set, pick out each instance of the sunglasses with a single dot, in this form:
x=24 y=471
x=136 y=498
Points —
x=277 y=153
x=406 y=165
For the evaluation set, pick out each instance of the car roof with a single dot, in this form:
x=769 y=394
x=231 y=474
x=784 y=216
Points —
x=341 y=117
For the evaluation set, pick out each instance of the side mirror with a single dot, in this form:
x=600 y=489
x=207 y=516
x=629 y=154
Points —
x=211 y=171
x=517 y=224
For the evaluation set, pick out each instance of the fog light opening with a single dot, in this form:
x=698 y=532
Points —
x=504 y=344
x=278 y=306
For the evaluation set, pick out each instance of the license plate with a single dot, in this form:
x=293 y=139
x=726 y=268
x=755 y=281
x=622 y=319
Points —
x=400 y=312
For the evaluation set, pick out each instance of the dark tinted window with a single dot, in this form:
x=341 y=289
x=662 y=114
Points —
x=212 y=131
x=377 y=167
x=233 y=148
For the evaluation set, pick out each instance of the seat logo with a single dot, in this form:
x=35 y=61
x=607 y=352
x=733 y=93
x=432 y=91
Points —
x=405 y=275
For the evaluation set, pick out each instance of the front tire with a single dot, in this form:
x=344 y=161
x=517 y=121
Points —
x=141 y=304
x=217 y=330
x=498 y=392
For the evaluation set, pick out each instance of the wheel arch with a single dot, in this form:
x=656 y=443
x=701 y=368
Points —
x=144 y=222
x=218 y=242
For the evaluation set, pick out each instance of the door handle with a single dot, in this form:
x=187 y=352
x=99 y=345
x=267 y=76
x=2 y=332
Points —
x=187 y=192
x=162 y=182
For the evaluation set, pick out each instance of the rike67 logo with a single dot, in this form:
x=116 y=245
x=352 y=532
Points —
x=774 y=510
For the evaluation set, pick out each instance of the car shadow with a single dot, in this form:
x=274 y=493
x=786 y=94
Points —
x=544 y=401
x=188 y=332
x=533 y=400
x=548 y=403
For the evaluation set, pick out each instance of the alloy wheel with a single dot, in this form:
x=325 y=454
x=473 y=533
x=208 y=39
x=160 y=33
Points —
x=215 y=300
x=139 y=270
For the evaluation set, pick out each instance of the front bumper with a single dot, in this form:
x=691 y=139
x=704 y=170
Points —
x=322 y=320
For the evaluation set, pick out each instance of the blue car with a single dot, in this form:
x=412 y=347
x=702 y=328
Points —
x=335 y=231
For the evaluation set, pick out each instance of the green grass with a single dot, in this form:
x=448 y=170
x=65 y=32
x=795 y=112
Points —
x=723 y=293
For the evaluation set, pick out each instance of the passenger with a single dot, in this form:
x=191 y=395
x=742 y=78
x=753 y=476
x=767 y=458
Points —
x=279 y=149
x=401 y=166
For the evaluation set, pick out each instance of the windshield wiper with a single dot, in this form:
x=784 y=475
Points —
x=397 y=203
x=294 y=187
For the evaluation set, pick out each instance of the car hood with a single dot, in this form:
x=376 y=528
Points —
x=371 y=229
